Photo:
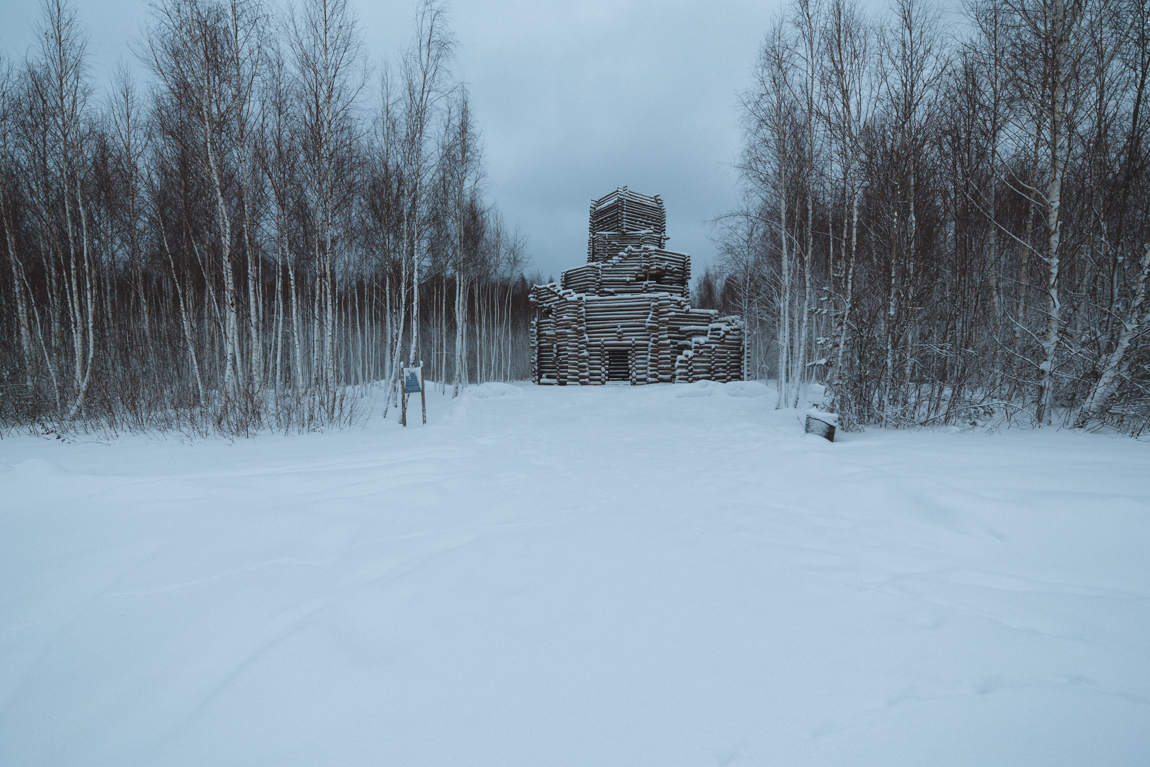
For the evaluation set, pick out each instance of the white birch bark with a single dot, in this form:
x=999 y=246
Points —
x=1134 y=322
x=1059 y=30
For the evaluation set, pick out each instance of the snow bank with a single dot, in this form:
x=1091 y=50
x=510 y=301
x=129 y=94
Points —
x=822 y=415
x=745 y=389
x=490 y=390
x=590 y=576
x=714 y=389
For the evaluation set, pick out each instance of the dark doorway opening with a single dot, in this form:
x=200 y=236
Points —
x=618 y=368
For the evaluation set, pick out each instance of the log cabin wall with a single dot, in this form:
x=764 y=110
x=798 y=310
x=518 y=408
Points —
x=625 y=315
x=622 y=218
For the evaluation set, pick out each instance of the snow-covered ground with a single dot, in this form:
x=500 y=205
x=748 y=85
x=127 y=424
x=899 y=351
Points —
x=663 y=575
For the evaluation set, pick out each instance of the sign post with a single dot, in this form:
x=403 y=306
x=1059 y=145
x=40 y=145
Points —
x=423 y=395
x=413 y=384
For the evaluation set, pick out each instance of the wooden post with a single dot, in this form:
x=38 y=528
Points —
x=423 y=394
x=402 y=397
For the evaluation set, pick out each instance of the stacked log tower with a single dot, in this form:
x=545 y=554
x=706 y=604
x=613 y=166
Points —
x=625 y=315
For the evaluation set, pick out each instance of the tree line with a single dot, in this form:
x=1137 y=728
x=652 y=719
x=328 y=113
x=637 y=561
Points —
x=254 y=227
x=948 y=223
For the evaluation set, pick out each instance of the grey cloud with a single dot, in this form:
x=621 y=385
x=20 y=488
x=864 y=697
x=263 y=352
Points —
x=574 y=99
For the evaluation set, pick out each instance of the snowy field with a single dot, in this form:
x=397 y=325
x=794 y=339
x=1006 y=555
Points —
x=577 y=576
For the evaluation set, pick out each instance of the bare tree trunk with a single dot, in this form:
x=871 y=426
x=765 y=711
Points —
x=809 y=33
x=1118 y=361
x=295 y=327
x=185 y=321
x=460 y=331
x=279 y=319
x=17 y=284
x=1057 y=148
x=90 y=300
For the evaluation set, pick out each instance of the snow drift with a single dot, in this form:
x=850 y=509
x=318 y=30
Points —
x=589 y=576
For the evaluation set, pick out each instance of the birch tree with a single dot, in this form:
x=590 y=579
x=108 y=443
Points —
x=326 y=47
x=425 y=74
x=187 y=51
x=1046 y=49
x=850 y=100
x=9 y=169
x=766 y=164
x=59 y=87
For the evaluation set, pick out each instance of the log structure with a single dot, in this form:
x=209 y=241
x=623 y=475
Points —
x=625 y=316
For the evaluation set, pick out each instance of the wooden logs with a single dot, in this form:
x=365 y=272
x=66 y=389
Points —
x=648 y=270
x=625 y=314
x=715 y=356
x=624 y=212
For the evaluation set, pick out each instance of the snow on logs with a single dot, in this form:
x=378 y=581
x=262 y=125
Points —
x=625 y=218
x=625 y=315
x=645 y=270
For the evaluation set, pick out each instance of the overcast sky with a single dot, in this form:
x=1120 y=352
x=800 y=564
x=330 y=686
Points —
x=574 y=99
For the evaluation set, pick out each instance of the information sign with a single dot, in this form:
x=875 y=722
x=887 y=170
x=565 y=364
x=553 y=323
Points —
x=411 y=380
